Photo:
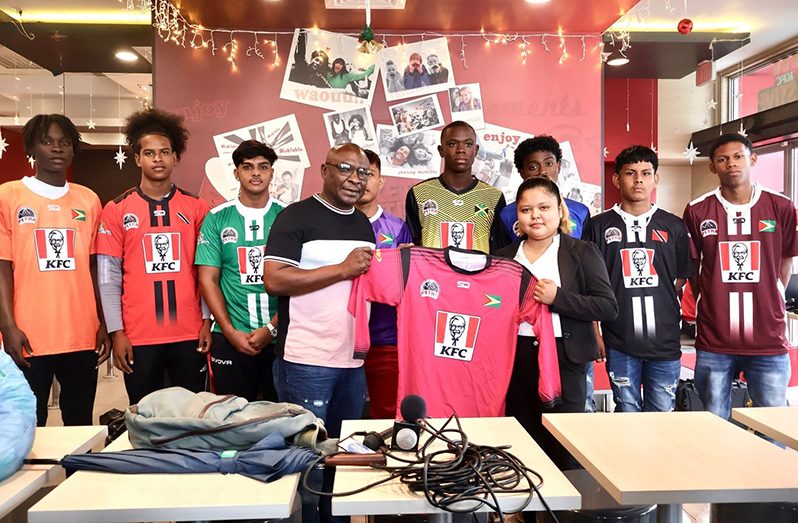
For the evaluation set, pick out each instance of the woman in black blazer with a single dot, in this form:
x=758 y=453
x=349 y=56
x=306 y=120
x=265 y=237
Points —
x=572 y=280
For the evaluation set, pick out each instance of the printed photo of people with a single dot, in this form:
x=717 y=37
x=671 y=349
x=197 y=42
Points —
x=466 y=101
x=416 y=115
x=415 y=69
x=494 y=163
x=325 y=70
x=353 y=126
x=286 y=184
x=414 y=156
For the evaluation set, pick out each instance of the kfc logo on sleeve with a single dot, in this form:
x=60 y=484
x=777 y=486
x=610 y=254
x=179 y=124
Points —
x=638 y=268
x=55 y=249
x=250 y=265
x=161 y=252
x=457 y=234
x=739 y=262
x=455 y=335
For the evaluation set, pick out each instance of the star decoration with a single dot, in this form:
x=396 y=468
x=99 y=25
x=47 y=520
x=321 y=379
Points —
x=691 y=153
x=605 y=152
x=742 y=131
x=91 y=124
x=712 y=105
x=653 y=148
x=120 y=158
x=31 y=161
x=3 y=146
x=738 y=96
x=604 y=56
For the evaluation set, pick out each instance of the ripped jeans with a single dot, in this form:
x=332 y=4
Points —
x=331 y=394
x=659 y=379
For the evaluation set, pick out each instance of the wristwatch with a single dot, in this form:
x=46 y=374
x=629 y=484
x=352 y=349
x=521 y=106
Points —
x=272 y=329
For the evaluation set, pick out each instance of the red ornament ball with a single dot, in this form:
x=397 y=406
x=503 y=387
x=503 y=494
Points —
x=685 y=26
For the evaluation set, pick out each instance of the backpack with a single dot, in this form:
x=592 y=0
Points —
x=178 y=418
x=687 y=398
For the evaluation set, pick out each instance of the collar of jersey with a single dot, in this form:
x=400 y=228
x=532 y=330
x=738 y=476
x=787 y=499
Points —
x=333 y=208
x=376 y=214
x=252 y=213
x=473 y=184
x=455 y=268
x=166 y=198
x=740 y=206
x=626 y=217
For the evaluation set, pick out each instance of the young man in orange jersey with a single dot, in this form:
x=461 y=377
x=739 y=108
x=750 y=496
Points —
x=47 y=233
x=148 y=281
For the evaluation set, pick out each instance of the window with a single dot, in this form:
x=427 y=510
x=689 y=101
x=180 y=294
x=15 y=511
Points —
x=763 y=86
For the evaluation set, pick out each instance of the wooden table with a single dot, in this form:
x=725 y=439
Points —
x=394 y=498
x=779 y=423
x=49 y=443
x=670 y=458
x=107 y=497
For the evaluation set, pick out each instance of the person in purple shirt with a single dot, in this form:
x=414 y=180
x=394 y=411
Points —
x=382 y=367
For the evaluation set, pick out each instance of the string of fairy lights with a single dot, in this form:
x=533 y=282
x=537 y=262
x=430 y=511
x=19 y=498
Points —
x=172 y=26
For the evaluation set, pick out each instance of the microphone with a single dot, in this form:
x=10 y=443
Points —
x=406 y=432
x=403 y=434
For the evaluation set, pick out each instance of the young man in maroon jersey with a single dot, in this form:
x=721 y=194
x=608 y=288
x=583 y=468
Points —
x=148 y=280
x=743 y=239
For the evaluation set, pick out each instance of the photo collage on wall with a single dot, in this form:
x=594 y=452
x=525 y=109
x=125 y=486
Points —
x=325 y=70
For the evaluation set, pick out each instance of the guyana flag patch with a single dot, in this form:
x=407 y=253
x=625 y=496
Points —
x=767 y=225
x=493 y=301
x=78 y=215
x=385 y=239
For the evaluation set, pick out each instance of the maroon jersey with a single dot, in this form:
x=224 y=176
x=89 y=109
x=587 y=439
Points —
x=740 y=247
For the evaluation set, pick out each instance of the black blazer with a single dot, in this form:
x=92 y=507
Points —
x=585 y=295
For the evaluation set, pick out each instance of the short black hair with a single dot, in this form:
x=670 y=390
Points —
x=543 y=142
x=36 y=129
x=156 y=121
x=374 y=158
x=723 y=139
x=635 y=154
x=457 y=123
x=252 y=149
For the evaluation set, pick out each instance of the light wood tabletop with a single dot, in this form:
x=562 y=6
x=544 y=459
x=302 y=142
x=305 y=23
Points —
x=107 y=497
x=676 y=457
x=57 y=442
x=395 y=498
x=20 y=486
x=779 y=423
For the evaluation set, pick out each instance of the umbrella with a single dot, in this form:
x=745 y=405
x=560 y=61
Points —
x=268 y=460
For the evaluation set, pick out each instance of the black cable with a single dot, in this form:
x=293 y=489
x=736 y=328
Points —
x=460 y=472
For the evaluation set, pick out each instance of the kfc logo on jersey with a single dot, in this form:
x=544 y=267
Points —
x=229 y=235
x=430 y=289
x=708 y=228
x=455 y=335
x=457 y=234
x=613 y=234
x=638 y=268
x=429 y=208
x=26 y=215
x=130 y=221
x=250 y=265
x=55 y=249
x=739 y=262
x=161 y=252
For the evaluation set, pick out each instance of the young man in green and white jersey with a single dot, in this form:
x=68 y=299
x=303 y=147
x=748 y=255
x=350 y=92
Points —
x=230 y=259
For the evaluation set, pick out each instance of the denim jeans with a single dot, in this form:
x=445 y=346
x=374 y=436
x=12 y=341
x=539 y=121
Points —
x=331 y=394
x=659 y=379
x=767 y=378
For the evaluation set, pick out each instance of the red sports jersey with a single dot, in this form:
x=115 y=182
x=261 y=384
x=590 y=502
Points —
x=457 y=326
x=156 y=240
x=741 y=306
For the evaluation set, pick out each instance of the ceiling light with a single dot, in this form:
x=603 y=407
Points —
x=126 y=56
x=618 y=61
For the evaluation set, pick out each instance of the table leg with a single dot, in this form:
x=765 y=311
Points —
x=669 y=513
